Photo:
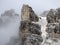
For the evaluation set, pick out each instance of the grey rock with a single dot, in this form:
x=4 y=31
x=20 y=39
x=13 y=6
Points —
x=58 y=13
x=29 y=32
x=53 y=27
x=50 y=27
x=51 y=17
x=33 y=39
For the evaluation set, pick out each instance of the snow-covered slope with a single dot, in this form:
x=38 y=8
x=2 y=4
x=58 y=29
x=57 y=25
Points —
x=43 y=22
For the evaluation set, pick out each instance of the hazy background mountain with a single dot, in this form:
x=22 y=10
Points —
x=9 y=26
x=44 y=14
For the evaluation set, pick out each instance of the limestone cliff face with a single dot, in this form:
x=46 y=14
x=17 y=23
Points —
x=27 y=13
x=51 y=17
x=30 y=33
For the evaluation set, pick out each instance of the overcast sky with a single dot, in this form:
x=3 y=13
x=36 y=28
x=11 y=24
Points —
x=37 y=5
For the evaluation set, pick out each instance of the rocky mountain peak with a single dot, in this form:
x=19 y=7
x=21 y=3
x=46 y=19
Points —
x=28 y=14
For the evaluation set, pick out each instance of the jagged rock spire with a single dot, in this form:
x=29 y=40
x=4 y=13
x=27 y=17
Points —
x=28 y=14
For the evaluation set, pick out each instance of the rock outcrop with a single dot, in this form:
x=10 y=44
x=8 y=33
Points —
x=51 y=17
x=29 y=32
x=27 y=13
x=53 y=26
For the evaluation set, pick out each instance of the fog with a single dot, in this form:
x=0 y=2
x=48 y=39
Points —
x=9 y=28
x=37 y=5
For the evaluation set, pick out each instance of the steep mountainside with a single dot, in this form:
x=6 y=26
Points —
x=30 y=33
